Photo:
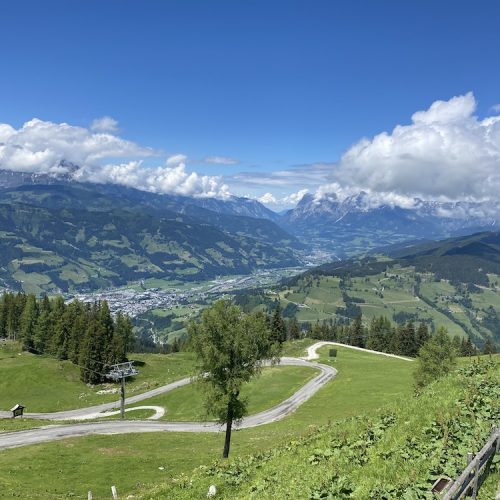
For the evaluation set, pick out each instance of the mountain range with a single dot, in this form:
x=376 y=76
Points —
x=354 y=225
x=61 y=234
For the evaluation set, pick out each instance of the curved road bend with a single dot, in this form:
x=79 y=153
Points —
x=283 y=409
x=57 y=432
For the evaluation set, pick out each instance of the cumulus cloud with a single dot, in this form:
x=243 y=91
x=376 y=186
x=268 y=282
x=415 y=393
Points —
x=40 y=146
x=273 y=199
x=496 y=108
x=163 y=179
x=446 y=153
x=294 y=198
x=221 y=160
x=50 y=148
x=105 y=124
x=267 y=198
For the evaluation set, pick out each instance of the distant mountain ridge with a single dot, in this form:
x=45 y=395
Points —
x=343 y=227
x=61 y=235
x=354 y=225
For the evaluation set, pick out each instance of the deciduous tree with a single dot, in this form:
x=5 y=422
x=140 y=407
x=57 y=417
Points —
x=231 y=348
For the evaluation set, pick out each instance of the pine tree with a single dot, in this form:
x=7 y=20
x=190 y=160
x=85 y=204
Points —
x=28 y=321
x=11 y=316
x=278 y=327
x=110 y=356
x=57 y=345
x=93 y=351
x=407 y=340
x=393 y=346
x=3 y=317
x=293 y=329
x=422 y=335
x=357 y=334
x=456 y=343
x=176 y=345
x=76 y=330
x=489 y=347
x=43 y=330
x=123 y=337
x=378 y=334
x=468 y=348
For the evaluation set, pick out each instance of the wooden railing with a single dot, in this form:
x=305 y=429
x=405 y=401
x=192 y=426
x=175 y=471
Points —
x=473 y=475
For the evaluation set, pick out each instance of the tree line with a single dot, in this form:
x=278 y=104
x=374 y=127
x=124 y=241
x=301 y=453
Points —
x=84 y=333
x=380 y=335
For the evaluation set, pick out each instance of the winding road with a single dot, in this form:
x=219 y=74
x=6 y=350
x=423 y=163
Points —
x=278 y=412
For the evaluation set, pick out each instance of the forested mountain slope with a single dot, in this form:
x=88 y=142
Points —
x=72 y=248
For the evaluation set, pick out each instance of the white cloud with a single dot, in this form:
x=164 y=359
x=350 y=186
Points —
x=294 y=198
x=105 y=124
x=162 y=179
x=496 y=108
x=221 y=160
x=176 y=159
x=310 y=175
x=41 y=147
x=447 y=152
x=267 y=198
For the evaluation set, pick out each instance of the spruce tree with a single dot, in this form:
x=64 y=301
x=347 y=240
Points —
x=76 y=330
x=293 y=329
x=123 y=337
x=407 y=340
x=93 y=352
x=468 y=348
x=43 y=330
x=278 y=327
x=422 y=335
x=489 y=347
x=379 y=333
x=28 y=321
x=58 y=340
x=393 y=345
x=357 y=333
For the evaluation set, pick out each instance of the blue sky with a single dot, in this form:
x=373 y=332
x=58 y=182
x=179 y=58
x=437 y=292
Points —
x=281 y=86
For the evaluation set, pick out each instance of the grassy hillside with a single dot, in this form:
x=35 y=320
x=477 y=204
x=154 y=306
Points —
x=396 y=453
x=273 y=386
x=454 y=283
x=43 y=383
x=58 y=238
x=365 y=383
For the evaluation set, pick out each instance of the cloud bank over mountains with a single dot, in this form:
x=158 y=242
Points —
x=46 y=148
x=446 y=153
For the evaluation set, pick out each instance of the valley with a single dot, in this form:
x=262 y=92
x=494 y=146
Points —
x=249 y=250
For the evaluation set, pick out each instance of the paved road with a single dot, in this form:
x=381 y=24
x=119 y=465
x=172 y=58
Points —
x=312 y=354
x=278 y=412
x=83 y=413
x=57 y=432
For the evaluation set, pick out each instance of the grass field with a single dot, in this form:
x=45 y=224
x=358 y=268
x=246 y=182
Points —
x=45 y=384
x=273 y=386
x=365 y=383
x=393 y=455
x=392 y=294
